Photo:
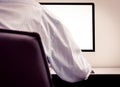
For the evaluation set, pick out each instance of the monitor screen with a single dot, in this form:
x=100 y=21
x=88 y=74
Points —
x=79 y=19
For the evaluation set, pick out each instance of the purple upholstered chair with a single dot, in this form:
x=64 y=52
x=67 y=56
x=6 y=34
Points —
x=22 y=60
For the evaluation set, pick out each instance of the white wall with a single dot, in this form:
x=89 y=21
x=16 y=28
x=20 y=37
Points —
x=107 y=32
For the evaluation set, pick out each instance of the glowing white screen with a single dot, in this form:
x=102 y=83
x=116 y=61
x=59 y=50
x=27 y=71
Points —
x=78 y=19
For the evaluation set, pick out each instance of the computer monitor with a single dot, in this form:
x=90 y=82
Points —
x=79 y=18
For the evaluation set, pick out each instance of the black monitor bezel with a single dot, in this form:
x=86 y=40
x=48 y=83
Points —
x=93 y=18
